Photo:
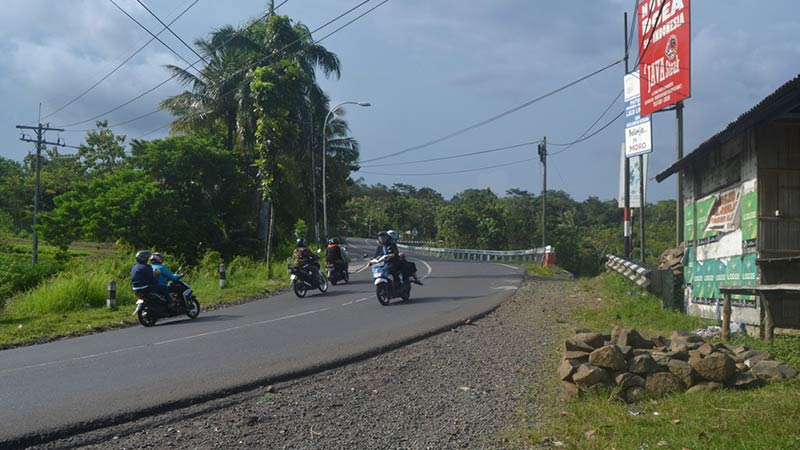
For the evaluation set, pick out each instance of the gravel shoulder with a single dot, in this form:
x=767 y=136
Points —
x=462 y=389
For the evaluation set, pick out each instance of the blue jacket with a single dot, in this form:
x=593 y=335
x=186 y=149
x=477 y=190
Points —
x=163 y=275
x=142 y=277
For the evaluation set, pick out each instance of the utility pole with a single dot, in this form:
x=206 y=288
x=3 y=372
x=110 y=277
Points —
x=543 y=159
x=40 y=141
x=679 y=204
x=641 y=205
x=627 y=181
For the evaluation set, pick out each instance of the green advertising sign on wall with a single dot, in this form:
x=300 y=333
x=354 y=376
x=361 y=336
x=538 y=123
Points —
x=703 y=211
x=749 y=216
x=688 y=222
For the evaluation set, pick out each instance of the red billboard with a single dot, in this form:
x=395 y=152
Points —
x=664 y=53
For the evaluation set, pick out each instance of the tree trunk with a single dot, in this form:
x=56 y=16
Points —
x=269 y=236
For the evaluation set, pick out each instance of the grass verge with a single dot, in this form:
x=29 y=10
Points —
x=763 y=418
x=73 y=303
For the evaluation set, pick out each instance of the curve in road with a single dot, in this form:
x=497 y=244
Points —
x=69 y=386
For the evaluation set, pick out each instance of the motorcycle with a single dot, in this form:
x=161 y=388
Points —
x=385 y=287
x=305 y=278
x=150 y=307
x=337 y=273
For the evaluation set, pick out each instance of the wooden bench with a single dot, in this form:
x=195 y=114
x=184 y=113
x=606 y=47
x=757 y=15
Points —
x=767 y=324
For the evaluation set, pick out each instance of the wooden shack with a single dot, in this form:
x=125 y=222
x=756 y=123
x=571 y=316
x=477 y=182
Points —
x=742 y=212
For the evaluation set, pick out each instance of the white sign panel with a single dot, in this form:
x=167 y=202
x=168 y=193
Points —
x=638 y=130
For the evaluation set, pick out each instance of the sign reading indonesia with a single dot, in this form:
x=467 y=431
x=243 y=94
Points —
x=664 y=53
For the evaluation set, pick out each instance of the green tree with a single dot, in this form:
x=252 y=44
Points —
x=103 y=150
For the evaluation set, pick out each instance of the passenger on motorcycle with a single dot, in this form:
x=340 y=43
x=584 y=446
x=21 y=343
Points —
x=408 y=270
x=144 y=280
x=304 y=258
x=163 y=274
x=334 y=254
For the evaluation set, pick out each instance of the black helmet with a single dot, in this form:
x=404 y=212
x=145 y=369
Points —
x=142 y=256
x=383 y=238
x=301 y=242
x=334 y=241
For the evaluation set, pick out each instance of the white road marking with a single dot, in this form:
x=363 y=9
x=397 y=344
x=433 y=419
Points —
x=505 y=288
x=430 y=269
x=239 y=327
x=506 y=265
x=347 y=304
x=361 y=300
x=136 y=347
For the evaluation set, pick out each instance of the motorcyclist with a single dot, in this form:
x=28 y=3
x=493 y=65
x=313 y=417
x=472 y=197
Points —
x=163 y=274
x=143 y=279
x=408 y=270
x=304 y=258
x=387 y=245
x=335 y=254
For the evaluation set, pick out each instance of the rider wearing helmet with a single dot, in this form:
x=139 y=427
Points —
x=143 y=279
x=162 y=273
x=387 y=245
x=304 y=258
x=335 y=254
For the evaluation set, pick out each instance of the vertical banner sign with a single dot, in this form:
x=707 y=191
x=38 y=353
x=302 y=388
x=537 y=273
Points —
x=638 y=130
x=664 y=53
x=633 y=178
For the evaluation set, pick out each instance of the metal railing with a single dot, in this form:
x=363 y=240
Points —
x=630 y=270
x=535 y=255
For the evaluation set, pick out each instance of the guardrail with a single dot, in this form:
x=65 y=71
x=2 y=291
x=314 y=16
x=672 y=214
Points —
x=536 y=254
x=630 y=270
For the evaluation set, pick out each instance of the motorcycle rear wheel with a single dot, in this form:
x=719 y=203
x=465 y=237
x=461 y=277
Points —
x=194 y=309
x=146 y=318
x=382 y=292
x=299 y=288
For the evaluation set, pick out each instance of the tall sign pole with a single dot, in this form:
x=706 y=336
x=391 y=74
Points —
x=627 y=211
x=40 y=143
x=679 y=197
x=666 y=76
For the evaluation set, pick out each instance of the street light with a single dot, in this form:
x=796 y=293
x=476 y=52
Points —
x=324 y=154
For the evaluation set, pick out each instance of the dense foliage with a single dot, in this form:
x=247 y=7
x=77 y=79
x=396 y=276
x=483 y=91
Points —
x=582 y=232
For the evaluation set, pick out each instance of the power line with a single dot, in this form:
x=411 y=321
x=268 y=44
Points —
x=171 y=77
x=172 y=32
x=352 y=20
x=570 y=144
x=119 y=66
x=497 y=116
x=454 y=171
x=482 y=152
x=598 y=131
x=154 y=36
x=261 y=60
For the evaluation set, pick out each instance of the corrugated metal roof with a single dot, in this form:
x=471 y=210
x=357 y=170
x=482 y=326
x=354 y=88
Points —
x=783 y=100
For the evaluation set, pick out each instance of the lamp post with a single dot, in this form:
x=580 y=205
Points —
x=324 y=154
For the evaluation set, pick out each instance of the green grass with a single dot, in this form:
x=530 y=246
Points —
x=73 y=302
x=765 y=418
x=542 y=271
x=626 y=304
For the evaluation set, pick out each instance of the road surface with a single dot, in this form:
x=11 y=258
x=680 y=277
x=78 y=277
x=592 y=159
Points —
x=76 y=384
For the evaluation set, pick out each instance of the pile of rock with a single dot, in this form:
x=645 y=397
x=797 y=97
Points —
x=672 y=259
x=638 y=367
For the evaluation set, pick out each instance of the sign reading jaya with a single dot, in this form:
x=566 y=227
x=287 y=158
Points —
x=664 y=53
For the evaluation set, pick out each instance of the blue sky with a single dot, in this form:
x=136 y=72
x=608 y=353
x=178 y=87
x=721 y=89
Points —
x=428 y=68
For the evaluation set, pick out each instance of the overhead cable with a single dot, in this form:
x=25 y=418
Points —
x=497 y=116
x=172 y=32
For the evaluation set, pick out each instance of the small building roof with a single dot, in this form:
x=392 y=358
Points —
x=785 y=100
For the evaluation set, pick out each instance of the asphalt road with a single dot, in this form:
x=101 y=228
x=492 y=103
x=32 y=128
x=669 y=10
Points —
x=76 y=384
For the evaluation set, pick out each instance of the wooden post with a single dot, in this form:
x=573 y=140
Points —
x=769 y=325
x=761 y=318
x=726 y=317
